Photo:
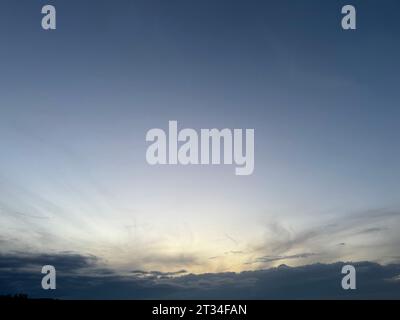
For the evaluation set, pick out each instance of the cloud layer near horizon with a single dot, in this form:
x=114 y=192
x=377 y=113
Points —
x=84 y=277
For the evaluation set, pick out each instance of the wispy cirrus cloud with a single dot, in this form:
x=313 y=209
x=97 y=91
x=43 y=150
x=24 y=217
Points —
x=332 y=239
x=267 y=259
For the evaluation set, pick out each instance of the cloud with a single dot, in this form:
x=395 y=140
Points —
x=65 y=261
x=288 y=257
x=83 y=277
x=371 y=230
x=158 y=274
x=171 y=259
x=357 y=235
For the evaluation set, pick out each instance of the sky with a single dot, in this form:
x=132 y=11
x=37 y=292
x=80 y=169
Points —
x=76 y=104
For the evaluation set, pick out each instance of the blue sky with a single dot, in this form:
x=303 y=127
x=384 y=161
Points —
x=76 y=104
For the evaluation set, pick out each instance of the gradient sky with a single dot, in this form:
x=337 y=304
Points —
x=76 y=103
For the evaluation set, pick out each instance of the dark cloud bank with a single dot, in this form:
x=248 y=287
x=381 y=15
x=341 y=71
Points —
x=82 y=277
